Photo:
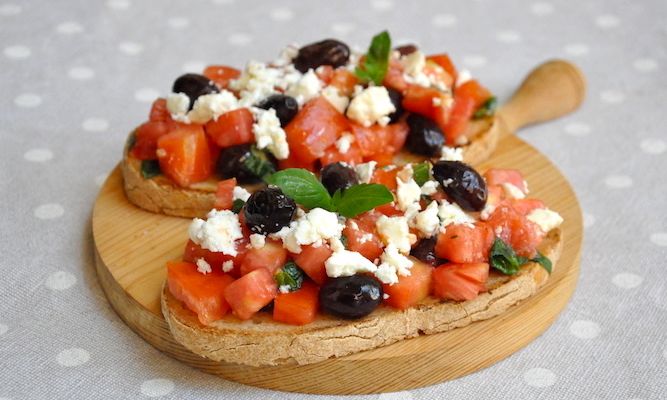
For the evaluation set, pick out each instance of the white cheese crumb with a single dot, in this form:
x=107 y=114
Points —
x=395 y=230
x=283 y=289
x=427 y=221
x=347 y=263
x=308 y=87
x=429 y=188
x=239 y=193
x=333 y=96
x=393 y=264
x=451 y=153
x=218 y=232
x=407 y=193
x=545 y=219
x=287 y=55
x=406 y=173
x=487 y=211
x=413 y=63
x=177 y=105
x=257 y=241
x=365 y=171
x=343 y=144
x=314 y=228
x=269 y=134
x=451 y=213
x=462 y=77
x=257 y=81
x=372 y=105
x=211 y=106
x=203 y=267
x=227 y=266
x=512 y=191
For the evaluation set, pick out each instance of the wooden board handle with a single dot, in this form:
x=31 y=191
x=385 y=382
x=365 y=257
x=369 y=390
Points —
x=551 y=90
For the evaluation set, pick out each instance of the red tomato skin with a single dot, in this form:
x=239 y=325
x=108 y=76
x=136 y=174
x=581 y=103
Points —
x=146 y=137
x=362 y=238
x=498 y=176
x=352 y=156
x=445 y=62
x=221 y=74
x=344 y=80
x=224 y=196
x=159 y=111
x=394 y=77
x=293 y=162
x=459 y=282
x=311 y=261
x=385 y=177
x=231 y=128
x=412 y=289
x=272 y=256
x=298 y=307
x=457 y=121
x=325 y=73
x=473 y=90
x=193 y=252
x=250 y=293
x=516 y=230
x=420 y=100
x=526 y=206
x=184 y=155
x=202 y=294
x=464 y=244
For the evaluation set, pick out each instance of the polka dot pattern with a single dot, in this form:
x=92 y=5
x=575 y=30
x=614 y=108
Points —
x=95 y=125
x=618 y=181
x=627 y=280
x=282 y=14
x=576 y=49
x=539 y=377
x=3 y=329
x=130 y=48
x=81 y=73
x=194 y=66
x=508 y=37
x=584 y=329
x=146 y=95
x=645 y=65
x=73 y=357
x=589 y=220
x=541 y=9
x=607 y=21
x=17 y=52
x=49 y=211
x=659 y=239
x=577 y=129
x=239 y=39
x=444 y=20
x=178 y=22
x=39 y=155
x=118 y=4
x=28 y=100
x=474 y=61
x=157 y=387
x=342 y=28
x=382 y=5
x=8 y=10
x=61 y=280
x=653 y=146
x=612 y=96
x=69 y=28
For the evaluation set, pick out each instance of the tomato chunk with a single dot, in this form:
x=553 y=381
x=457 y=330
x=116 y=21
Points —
x=428 y=102
x=445 y=62
x=293 y=162
x=184 y=155
x=352 y=155
x=215 y=259
x=224 y=196
x=498 y=176
x=146 y=137
x=251 y=292
x=159 y=111
x=298 y=307
x=457 y=121
x=385 y=177
x=516 y=230
x=410 y=289
x=221 y=74
x=311 y=261
x=394 y=78
x=316 y=127
x=473 y=90
x=460 y=282
x=344 y=80
x=231 y=128
x=202 y=294
x=378 y=140
x=464 y=244
x=362 y=238
x=271 y=257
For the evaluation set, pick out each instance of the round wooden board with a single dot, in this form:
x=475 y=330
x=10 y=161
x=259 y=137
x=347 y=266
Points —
x=132 y=247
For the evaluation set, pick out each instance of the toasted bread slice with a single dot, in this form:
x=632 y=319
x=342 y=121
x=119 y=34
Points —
x=261 y=341
x=161 y=195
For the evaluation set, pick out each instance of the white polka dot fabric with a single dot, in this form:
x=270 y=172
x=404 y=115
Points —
x=78 y=76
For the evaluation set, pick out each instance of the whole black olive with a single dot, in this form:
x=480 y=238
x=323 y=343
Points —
x=327 y=52
x=268 y=210
x=425 y=137
x=350 y=297
x=245 y=162
x=337 y=176
x=396 y=99
x=461 y=183
x=194 y=85
x=424 y=251
x=286 y=107
x=406 y=49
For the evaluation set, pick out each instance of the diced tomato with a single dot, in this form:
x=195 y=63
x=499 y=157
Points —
x=251 y=292
x=498 y=176
x=458 y=119
x=224 y=196
x=398 y=133
x=460 y=282
x=438 y=74
x=525 y=206
x=231 y=128
x=515 y=229
x=215 y=259
x=184 y=155
x=316 y=127
x=298 y=307
x=293 y=162
x=380 y=140
x=385 y=177
x=382 y=159
x=202 y=294
x=390 y=210
x=394 y=77
x=362 y=237
x=325 y=73
x=445 y=62
x=410 y=289
x=146 y=137
x=473 y=90
x=344 y=80
x=271 y=257
x=464 y=244
x=352 y=156
x=159 y=111
x=311 y=261
x=221 y=74
x=429 y=102
x=495 y=195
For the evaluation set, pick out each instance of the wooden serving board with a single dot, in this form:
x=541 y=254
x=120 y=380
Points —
x=132 y=247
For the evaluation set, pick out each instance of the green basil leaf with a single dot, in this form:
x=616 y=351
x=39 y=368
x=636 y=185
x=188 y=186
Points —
x=376 y=63
x=543 y=261
x=487 y=109
x=258 y=163
x=421 y=172
x=301 y=186
x=504 y=259
x=361 y=198
x=150 y=168
x=237 y=205
x=290 y=275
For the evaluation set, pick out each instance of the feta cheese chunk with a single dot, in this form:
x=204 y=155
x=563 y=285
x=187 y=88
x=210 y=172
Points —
x=203 y=267
x=314 y=227
x=227 y=266
x=427 y=221
x=257 y=81
x=218 y=233
x=407 y=193
x=413 y=63
x=545 y=219
x=333 y=96
x=365 y=171
x=512 y=191
x=372 y=105
x=211 y=106
x=307 y=87
x=429 y=187
x=343 y=144
x=177 y=105
x=283 y=289
x=269 y=134
x=392 y=264
x=451 y=213
x=239 y=193
x=462 y=77
x=347 y=263
x=451 y=153
x=395 y=230
x=257 y=241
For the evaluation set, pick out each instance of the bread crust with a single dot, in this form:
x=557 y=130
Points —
x=261 y=341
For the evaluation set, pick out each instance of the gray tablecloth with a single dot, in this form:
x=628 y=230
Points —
x=76 y=76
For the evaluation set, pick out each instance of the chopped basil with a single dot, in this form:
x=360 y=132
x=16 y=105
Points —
x=258 y=163
x=375 y=65
x=150 y=168
x=421 y=172
x=290 y=275
x=237 y=205
x=360 y=198
x=504 y=258
x=543 y=261
x=487 y=109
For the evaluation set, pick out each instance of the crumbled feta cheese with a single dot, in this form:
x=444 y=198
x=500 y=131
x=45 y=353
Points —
x=413 y=63
x=283 y=289
x=429 y=188
x=257 y=81
x=239 y=193
x=365 y=171
x=210 y=106
x=545 y=219
x=437 y=101
x=306 y=88
x=393 y=264
x=343 y=144
x=447 y=182
x=347 y=263
x=218 y=233
x=451 y=213
x=287 y=55
x=372 y=105
x=314 y=228
x=336 y=244
x=411 y=211
x=333 y=96
x=427 y=221
x=269 y=134
x=385 y=296
x=395 y=230
x=407 y=193
x=488 y=209
x=203 y=267
x=406 y=173
x=512 y=191
x=227 y=266
x=451 y=153
x=177 y=105
x=462 y=77
x=257 y=241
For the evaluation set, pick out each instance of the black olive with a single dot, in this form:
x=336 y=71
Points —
x=424 y=251
x=396 y=99
x=286 y=107
x=337 y=176
x=268 y=210
x=194 y=85
x=461 y=183
x=351 y=297
x=327 y=52
x=245 y=162
x=406 y=49
x=425 y=137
